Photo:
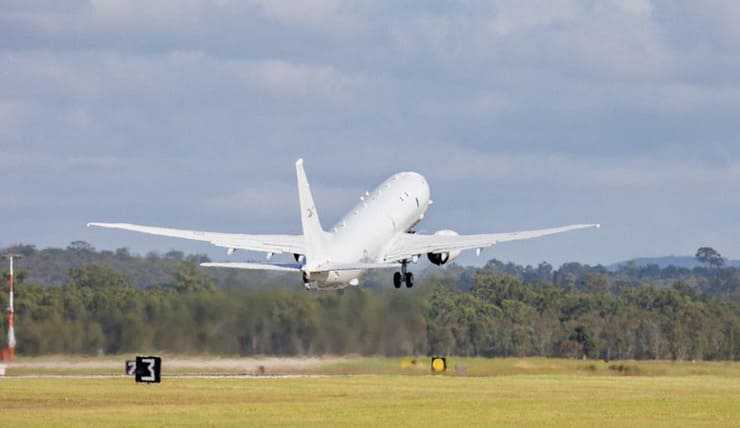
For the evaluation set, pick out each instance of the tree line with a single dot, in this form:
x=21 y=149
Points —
x=576 y=311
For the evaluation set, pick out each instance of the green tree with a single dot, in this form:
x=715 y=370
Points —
x=584 y=338
x=709 y=256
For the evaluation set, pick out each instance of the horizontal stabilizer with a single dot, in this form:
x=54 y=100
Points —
x=279 y=267
x=359 y=266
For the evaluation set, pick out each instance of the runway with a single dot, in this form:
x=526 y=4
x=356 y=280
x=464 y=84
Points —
x=186 y=376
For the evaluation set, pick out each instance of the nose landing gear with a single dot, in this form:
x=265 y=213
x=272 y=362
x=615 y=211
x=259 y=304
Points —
x=403 y=277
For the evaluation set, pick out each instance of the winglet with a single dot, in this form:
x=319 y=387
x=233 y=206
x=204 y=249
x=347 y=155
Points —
x=313 y=234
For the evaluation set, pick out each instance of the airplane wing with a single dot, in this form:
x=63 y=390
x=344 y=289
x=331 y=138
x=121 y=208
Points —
x=295 y=267
x=279 y=267
x=276 y=244
x=411 y=244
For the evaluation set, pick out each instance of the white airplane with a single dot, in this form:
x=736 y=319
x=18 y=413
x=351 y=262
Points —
x=376 y=234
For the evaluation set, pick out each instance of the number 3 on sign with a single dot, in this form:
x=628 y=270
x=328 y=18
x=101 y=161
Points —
x=148 y=369
x=149 y=362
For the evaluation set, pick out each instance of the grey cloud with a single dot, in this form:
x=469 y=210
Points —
x=520 y=114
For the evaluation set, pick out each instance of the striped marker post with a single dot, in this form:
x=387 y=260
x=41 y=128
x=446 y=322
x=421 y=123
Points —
x=9 y=353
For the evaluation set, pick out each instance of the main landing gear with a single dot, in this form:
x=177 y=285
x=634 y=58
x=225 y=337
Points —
x=403 y=277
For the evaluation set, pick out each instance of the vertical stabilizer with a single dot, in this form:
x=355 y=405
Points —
x=313 y=234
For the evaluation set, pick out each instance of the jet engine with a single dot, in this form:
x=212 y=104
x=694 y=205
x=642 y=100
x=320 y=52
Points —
x=441 y=258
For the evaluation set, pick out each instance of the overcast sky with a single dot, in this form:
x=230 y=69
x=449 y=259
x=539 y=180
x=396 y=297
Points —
x=520 y=114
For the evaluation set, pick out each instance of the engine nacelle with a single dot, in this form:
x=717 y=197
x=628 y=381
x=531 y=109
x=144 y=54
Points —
x=441 y=258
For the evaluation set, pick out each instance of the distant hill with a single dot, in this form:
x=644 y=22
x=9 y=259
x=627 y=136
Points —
x=678 y=261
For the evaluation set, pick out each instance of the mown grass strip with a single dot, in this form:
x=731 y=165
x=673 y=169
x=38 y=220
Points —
x=532 y=400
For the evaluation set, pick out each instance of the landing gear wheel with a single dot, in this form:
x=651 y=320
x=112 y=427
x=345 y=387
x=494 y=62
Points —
x=409 y=279
x=397 y=279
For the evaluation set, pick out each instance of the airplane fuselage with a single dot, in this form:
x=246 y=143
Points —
x=364 y=233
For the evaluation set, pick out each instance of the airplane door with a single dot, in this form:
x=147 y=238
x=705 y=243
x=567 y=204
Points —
x=396 y=216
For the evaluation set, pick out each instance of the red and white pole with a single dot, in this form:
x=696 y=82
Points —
x=11 y=329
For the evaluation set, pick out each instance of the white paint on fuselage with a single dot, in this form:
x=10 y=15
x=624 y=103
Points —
x=363 y=235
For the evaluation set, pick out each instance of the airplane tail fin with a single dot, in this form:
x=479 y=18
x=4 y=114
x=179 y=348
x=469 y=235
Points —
x=313 y=234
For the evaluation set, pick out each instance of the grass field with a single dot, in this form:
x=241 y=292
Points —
x=531 y=392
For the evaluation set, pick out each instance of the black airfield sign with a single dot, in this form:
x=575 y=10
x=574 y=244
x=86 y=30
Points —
x=148 y=369
x=130 y=367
